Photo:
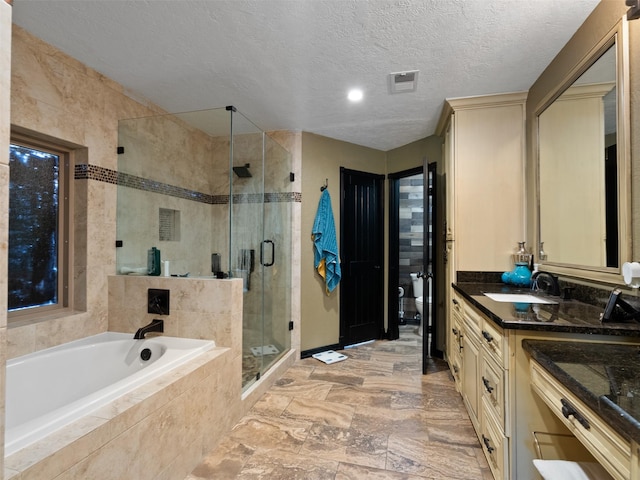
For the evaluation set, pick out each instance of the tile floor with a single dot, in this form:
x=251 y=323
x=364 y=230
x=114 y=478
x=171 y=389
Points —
x=372 y=416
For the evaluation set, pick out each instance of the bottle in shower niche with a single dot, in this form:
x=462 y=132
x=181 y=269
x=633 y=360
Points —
x=153 y=262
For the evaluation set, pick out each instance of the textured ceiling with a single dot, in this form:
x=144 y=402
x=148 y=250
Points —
x=287 y=64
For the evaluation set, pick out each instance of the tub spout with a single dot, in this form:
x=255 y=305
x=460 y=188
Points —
x=155 y=326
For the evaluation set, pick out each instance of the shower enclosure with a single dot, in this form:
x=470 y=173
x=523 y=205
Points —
x=212 y=192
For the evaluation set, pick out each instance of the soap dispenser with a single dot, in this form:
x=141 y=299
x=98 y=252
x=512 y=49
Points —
x=153 y=262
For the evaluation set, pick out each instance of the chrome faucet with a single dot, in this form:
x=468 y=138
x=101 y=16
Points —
x=156 y=325
x=546 y=282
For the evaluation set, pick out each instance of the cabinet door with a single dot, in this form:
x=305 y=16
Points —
x=488 y=186
x=493 y=387
x=496 y=448
x=455 y=350
x=470 y=375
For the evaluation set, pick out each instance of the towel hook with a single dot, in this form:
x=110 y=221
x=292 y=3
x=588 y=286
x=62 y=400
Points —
x=325 y=186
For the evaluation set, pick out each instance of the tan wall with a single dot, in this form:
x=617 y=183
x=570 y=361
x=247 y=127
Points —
x=413 y=154
x=597 y=25
x=322 y=158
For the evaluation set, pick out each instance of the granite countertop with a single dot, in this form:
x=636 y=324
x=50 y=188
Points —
x=606 y=377
x=569 y=316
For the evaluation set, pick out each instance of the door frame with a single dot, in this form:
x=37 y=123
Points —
x=429 y=348
x=393 y=305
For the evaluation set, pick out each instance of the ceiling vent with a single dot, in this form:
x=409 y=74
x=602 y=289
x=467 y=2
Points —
x=403 y=82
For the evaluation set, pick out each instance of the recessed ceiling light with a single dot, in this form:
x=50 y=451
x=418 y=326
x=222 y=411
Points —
x=355 y=95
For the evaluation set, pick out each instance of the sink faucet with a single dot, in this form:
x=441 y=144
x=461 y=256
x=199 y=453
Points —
x=156 y=325
x=546 y=282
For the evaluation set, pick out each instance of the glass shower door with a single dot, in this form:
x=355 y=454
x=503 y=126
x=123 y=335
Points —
x=260 y=239
x=246 y=198
x=276 y=252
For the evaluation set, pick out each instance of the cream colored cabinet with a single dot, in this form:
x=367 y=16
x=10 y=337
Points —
x=454 y=345
x=484 y=384
x=484 y=160
x=484 y=152
x=503 y=401
x=609 y=448
x=470 y=370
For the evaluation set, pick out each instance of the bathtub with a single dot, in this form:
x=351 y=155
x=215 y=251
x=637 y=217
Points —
x=52 y=388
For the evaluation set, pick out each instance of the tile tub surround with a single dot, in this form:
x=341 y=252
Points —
x=192 y=406
x=207 y=309
x=372 y=416
x=137 y=436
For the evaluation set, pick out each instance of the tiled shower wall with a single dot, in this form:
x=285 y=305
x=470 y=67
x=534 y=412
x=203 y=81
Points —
x=54 y=94
x=5 y=82
x=411 y=234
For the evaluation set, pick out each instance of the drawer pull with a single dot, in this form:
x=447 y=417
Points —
x=487 y=444
x=487 y=385
x=455 y=369
x=487 y=336
x=455 y=331
x=455 y=302
x=569 y=410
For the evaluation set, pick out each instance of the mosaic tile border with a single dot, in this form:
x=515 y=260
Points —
x=101 y=174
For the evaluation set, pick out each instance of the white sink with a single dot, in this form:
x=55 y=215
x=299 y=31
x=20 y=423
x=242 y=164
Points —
x=518 y=298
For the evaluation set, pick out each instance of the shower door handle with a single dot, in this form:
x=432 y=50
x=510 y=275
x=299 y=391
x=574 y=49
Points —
x=273 y=253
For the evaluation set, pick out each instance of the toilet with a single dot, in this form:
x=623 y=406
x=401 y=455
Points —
x=417 y=293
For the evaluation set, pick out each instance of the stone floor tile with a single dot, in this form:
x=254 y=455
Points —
x=373 y=416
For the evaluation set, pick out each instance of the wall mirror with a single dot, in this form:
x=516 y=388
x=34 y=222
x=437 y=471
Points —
x=582 y=166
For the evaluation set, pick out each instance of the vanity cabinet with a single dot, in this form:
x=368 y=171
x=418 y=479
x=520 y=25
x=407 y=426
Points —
x=493 y=376
x=484 y=363
x=611 y=450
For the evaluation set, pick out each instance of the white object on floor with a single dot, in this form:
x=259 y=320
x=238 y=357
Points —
x=565 y=470
x=329 y=357
x=264 y=350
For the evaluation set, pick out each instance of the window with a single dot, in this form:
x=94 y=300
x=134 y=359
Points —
x=38 y=226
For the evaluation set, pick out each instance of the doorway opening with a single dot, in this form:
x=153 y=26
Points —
x=411 y=269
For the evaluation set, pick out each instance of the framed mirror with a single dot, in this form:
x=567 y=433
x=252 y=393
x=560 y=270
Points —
x=583 y=191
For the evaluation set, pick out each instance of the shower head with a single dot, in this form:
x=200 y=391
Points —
x=242 y=172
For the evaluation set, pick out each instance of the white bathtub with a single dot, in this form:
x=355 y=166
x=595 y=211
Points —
x=49 y=389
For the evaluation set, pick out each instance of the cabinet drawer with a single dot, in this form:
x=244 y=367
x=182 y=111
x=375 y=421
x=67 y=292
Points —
x=609 y=448
x=457 y=304
x=472 y=319
x=493 y=340
x=495 y=447
x=493 y=383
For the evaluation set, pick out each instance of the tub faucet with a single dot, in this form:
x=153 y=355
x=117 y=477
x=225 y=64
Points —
x=156 y=325
x=546 y=282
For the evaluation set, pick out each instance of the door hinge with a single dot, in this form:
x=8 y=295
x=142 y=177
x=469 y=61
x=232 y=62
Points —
x=291 y=325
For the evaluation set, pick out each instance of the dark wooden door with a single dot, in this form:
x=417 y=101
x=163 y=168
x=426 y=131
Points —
x=362 y=254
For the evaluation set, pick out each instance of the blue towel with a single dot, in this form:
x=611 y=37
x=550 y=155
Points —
x=325 y=258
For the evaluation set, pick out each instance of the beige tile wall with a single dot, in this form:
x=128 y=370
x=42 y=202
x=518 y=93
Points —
x=5 y=90
x=57 y=96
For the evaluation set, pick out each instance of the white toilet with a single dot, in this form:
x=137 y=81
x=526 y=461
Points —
x=417 y=293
